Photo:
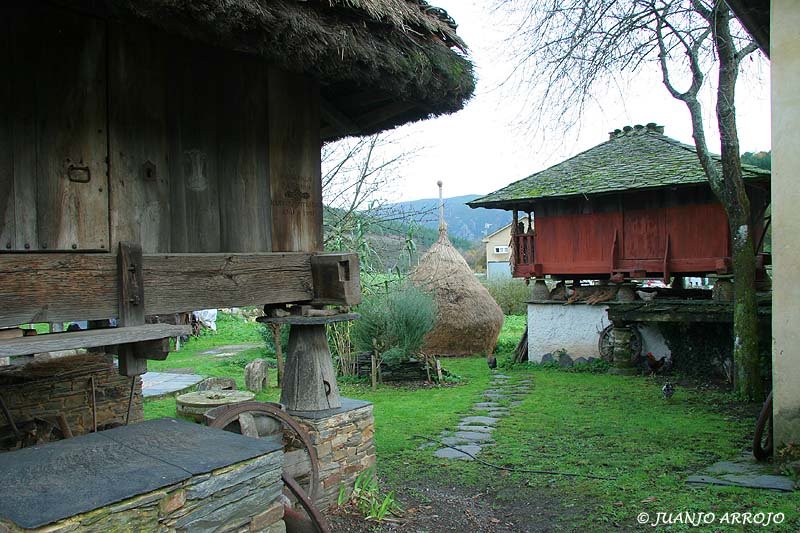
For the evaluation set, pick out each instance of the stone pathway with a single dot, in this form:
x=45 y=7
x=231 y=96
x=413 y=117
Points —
x=162 y=383
x=229 y=350
x=474 y=431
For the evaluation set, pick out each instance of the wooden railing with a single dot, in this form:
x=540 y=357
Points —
x=523 y=256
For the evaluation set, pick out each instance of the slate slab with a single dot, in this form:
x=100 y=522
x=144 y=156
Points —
x=450 y=453
x=480 y=420
x=483 y=406
x=498 y=413
x=482 y=429
x=743 y=472
x=42 y=484
x=473 y=436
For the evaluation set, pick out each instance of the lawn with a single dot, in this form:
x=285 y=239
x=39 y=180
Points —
x=597 y=424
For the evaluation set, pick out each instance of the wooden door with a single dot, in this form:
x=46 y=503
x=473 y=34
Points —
x=54 y=131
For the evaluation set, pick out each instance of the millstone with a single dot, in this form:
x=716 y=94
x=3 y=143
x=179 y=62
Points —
x=195 y=404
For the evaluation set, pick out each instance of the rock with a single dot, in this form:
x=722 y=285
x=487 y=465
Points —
x=548 y=358
x=581 y=361
x=217 y=384
x=565 y=360
x=256 y=378
x=592 y=360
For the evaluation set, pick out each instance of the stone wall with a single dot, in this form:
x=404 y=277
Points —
x=45 y=389
x=244 y=497
x=344 y=441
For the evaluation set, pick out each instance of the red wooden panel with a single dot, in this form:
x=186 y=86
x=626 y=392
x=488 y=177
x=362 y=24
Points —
x=644 y=234
x=698 y=231
x=565 y=239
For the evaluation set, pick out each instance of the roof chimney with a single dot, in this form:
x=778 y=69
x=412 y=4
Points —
x=638 y=129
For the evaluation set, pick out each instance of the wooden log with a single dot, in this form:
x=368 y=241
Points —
x=336 y=279
x=310 y=381
x=61 y=287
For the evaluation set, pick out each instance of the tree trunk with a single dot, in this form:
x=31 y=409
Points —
x=734 y=198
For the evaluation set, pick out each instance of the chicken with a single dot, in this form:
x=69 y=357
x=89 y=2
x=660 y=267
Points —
x=492 y=362
x=668 y=390
x=655 y=364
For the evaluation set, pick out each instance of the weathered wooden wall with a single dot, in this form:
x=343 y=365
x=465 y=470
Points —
x=179 y=142
x=53 y=132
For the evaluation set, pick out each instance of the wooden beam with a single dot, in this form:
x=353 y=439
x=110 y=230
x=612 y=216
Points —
x=336 y=279
x=90 y=338
x=58 y=287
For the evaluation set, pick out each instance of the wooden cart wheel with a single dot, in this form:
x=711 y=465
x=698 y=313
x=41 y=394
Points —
x=227 y=416
x=605 y=344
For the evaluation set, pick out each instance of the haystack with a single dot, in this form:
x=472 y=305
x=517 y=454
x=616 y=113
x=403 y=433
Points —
x=468 y=319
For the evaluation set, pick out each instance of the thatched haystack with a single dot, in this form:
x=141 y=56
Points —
x=468 y=320
x=380 y=63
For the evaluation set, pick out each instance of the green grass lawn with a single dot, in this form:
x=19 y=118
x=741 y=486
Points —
x=597 y=424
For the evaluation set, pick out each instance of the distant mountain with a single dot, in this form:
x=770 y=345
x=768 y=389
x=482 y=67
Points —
x=462 y=221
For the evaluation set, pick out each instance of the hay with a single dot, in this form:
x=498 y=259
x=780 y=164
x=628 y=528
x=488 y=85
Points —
x=468 y=319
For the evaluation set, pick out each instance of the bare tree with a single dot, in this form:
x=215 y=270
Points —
x=572 y=49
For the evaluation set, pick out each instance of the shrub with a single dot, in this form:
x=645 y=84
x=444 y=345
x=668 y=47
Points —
x=511 y=294
x=396 y=322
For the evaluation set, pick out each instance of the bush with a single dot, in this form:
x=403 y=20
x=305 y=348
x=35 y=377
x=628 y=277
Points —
x=511 y=294
x=397 y=321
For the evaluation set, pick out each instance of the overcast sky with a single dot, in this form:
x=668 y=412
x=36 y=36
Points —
x=483 y=147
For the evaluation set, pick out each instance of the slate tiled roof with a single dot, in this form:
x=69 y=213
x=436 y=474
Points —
x=637 y=158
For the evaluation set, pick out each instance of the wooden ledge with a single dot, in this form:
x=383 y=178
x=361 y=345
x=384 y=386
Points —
x=298 y=320
x=92 y=338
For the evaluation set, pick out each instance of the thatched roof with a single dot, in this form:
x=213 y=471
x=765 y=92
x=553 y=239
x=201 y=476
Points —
x=468 y=320
x=380 y=63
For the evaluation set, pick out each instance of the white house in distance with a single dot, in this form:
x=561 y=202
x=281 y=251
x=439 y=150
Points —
x=498 y=253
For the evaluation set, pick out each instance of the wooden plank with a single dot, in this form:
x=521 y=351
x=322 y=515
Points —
x=139 y=171
x=61 y=287
x=194 y=170
x=245 y=219
x=294 y=162
x=23 y=117
x=89 y=338
x=7 y=213
x=71 y=136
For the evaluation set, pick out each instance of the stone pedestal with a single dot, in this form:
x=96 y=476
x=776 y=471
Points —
x=722 y=290
x=344 y=442
x=540 y=291
x=626 y=293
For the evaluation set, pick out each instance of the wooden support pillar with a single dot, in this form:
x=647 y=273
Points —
x=131 y=305
x=309 y=380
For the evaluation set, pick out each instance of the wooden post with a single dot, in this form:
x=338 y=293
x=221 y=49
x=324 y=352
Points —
x=374 y=364
x=131 y=304
x=310 y=381
x=276 y=340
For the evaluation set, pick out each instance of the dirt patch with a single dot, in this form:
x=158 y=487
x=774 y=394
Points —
x=430 y=507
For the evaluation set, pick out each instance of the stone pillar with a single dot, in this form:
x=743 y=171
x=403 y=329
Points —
x=344 y=441
x=722 y=290
x=785 y=63
x=623 y=357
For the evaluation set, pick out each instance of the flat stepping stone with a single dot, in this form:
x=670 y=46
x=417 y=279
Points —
x=483 y=406
x=472 y=436
x=516 y=403
x=494 y=396
x=231 y=349
x=482 y=429
x=479 y=420
x=498 y=413
x=743 y=472
x=501 y=376
x=456 y=441
x=450 y=453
